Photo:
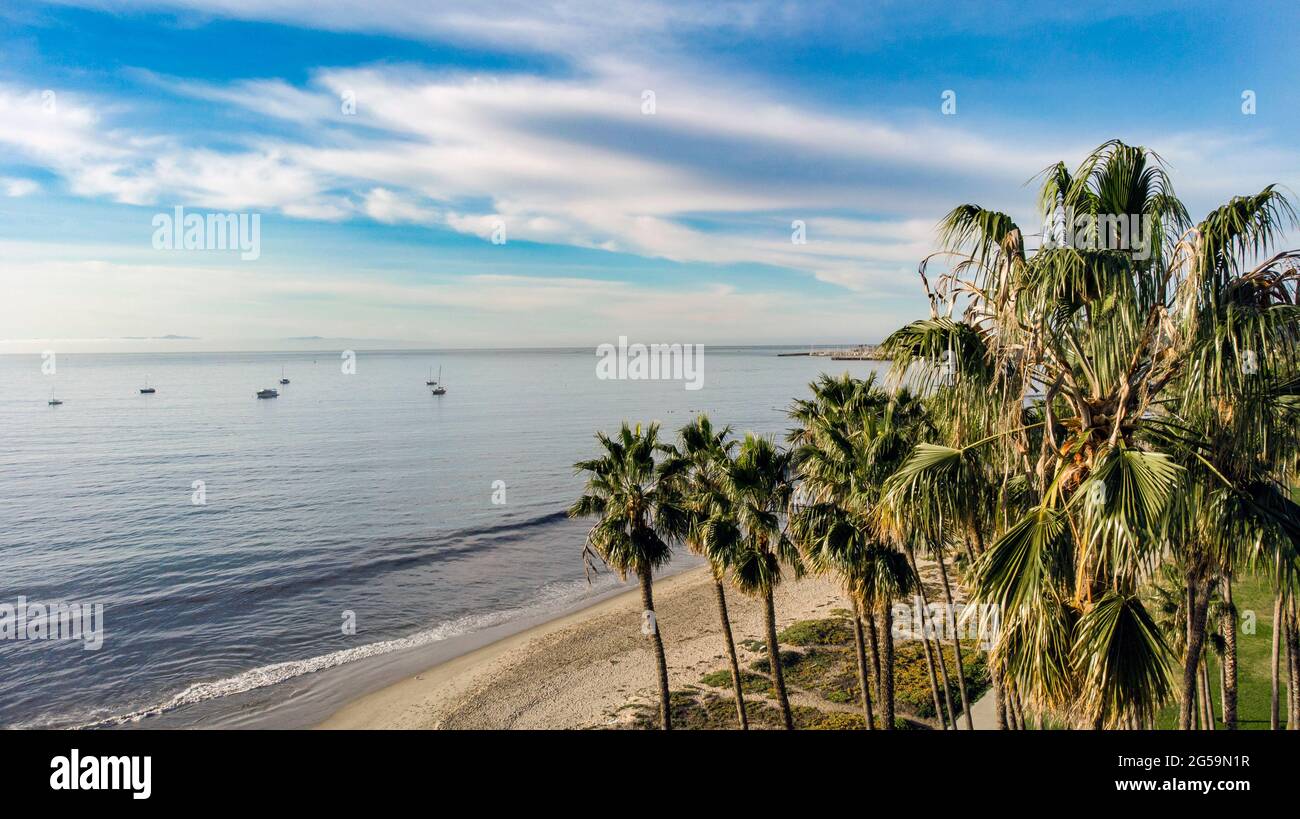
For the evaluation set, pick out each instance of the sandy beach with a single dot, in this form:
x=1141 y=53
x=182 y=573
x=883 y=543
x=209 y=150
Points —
x=584 y=669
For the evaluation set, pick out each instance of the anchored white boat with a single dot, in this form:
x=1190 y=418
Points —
x=438 y=388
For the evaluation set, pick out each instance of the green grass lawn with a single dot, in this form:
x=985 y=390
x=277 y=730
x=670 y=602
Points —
x=1254 y=653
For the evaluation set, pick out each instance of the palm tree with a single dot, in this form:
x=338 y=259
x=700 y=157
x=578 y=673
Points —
x=852 y=435
x=638 y=514
x=1294 y=654
x=1228 y=678
x=833 y=542
x=933 y=658
x=1283 y=566
x=750 y=526
x=913 y=525
x=825 y=524
x=937 y=549
x=1172 y=604
x=698 y=463
x=1094 y=382
x=1274 y=723
x=884 y=576
x=1235 y=510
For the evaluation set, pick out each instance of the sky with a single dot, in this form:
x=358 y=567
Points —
x=532 y=173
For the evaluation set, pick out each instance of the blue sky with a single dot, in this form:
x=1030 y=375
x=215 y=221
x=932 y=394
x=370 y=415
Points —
x=673 y=225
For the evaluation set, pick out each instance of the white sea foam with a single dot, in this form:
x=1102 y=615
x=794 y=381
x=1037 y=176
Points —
x=551 y=598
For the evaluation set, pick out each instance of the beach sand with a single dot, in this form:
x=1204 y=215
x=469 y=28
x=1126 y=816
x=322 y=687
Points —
x=582 y=670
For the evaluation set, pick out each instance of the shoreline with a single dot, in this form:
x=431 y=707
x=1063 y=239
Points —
x=304 y=701
x=582 y=669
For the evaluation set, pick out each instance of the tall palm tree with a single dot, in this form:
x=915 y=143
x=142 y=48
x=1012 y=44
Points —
x=852 y=435
x=1293 y=652
x=1274 y=722
x=884 y=576
x=697 y=462
x=1092 y=379
x=933 y=658
x=1172 y=604
x=1283 y=567
x=1235 y=510
x=638 y=514
x=751 y=526
x=1228 y=630
x=937 y=549
x=913 y=526
x=833 y=542
x=825 y=523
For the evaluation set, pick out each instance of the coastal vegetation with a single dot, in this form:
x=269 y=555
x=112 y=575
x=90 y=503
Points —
x=821 y=672
x=1093 y=435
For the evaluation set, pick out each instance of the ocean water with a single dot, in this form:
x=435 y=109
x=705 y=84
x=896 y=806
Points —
x=350 y=493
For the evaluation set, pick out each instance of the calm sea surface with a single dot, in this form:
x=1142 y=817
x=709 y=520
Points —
x=356 y=493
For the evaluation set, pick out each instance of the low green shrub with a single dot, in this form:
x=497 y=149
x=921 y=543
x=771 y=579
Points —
x=829 y=632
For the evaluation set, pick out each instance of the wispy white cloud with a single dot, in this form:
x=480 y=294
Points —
x=716 y=175
x=15 y=188
x=557 y=161
x=384 y=205
x=568 y=161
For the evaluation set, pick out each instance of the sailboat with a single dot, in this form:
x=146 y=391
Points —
x=431 y=382
x=438 y=388
x=283 y=380
x=54 y=402
x=146 y=389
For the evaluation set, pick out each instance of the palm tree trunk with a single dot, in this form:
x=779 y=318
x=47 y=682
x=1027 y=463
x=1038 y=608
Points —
x=1198 y=604
x=1223 y=687
x=919 y=600
x=1288 y=655
x=861 y=649
x=1293 y=651
x=886 y=688
x=1229 y=656
x=1207 y=702
x=930 y=666
x=774 y=659
x=1197 y=723
x=945 y=683
x=731 y=655
x=1273 y=721
x=873 y=647
x=956 y=642
x=999 y=699
x=648 y=604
